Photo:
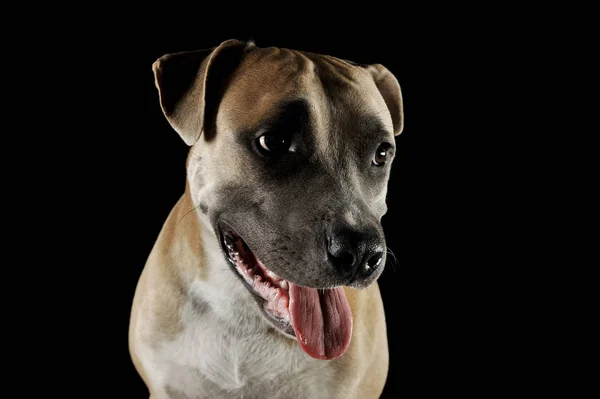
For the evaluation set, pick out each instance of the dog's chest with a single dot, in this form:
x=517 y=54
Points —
x=206 y=360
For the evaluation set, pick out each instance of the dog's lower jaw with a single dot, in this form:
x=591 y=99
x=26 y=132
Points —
x=227 y=297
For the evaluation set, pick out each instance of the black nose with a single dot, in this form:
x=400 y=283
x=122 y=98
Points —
x=355 y=254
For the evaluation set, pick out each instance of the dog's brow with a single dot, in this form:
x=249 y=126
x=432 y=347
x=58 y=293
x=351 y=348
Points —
x=292 y=115
x=373 y=126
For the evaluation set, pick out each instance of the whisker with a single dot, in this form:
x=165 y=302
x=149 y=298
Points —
x=394 y=259
x=187 y=213
x=283 y=235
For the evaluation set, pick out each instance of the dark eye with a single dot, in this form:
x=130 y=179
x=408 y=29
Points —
x=274 y=144
x=382 y=154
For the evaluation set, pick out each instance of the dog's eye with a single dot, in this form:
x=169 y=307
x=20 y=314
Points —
x=381 y=155
x=275 y=144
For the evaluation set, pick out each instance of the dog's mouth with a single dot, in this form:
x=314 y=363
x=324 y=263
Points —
x=320 y=319
x=266 y=286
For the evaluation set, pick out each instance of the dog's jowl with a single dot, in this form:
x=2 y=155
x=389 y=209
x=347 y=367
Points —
x=262 y=282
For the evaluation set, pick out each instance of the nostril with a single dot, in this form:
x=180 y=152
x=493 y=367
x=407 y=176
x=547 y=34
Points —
x=375 y=260
x=372 y=264
x=342 y=261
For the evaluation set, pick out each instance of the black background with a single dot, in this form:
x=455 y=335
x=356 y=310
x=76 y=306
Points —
x=489 y=291
x=444 y=316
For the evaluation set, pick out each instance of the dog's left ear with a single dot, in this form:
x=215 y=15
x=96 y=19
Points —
x=191 y=83
x=390 y=91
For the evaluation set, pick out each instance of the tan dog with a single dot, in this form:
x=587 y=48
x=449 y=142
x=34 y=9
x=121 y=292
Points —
x=262 y=281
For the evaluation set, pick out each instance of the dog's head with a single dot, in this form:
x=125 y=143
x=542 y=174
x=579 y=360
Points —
x=290 y=159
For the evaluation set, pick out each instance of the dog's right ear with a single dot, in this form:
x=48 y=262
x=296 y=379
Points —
x=389 y=88
x=190 y=85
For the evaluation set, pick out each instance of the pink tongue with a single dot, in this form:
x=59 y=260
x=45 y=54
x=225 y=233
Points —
x=322 y=321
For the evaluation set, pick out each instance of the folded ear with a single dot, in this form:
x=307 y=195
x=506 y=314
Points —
x=190 y=85
x=390 y=91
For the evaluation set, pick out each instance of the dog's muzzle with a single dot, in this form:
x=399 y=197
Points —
x=320 y=319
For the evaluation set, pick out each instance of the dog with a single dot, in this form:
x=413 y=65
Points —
x=262 y=281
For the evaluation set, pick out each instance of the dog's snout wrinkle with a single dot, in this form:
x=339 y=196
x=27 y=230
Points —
x=353 y=253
